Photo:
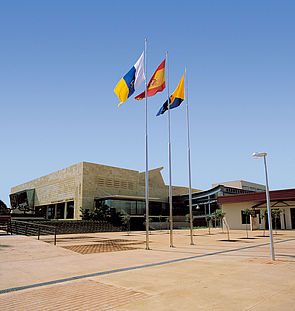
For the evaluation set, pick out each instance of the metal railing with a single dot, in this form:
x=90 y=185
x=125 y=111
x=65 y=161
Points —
x=30 y=228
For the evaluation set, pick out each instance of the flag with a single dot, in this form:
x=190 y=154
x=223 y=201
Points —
x=175 y=99
x=131 y=81
x=156 y=84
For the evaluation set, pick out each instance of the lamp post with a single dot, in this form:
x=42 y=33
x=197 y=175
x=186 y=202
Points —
x=263 y=155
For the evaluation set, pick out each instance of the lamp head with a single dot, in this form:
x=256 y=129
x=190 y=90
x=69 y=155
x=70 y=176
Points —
x=259 y=154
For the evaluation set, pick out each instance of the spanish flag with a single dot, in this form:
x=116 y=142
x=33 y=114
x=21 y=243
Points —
x=131 y=81
x=175 y=99
x=156 y=84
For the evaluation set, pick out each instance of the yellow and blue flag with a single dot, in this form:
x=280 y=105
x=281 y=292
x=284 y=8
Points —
x=175 y=99
x=131 y=81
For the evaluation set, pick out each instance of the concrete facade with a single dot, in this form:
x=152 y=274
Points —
x=83 y=182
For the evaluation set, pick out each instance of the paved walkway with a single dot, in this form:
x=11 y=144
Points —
x=213 y=274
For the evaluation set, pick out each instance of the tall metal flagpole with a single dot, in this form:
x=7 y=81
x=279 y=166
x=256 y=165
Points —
x=146 y=157
x=189 y=163
x=169 y=159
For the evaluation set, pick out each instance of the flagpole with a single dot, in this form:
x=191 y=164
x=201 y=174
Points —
x=146 y=157
x=169 y=160
x=189 y=163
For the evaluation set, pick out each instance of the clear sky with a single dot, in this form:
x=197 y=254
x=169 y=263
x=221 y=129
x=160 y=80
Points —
x=61 y=59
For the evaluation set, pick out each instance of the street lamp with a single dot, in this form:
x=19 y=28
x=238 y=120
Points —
x=263 y=155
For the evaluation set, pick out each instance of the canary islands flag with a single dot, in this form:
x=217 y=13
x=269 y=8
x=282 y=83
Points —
x=131 y=81
x=156 y=84
x=175 y=99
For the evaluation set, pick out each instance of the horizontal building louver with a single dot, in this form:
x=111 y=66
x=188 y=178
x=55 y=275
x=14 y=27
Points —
x=109 y=183
x=124 y=184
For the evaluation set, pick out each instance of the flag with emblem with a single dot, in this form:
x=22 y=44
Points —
x=175 y=99
x=131 y=81
x=156 y=84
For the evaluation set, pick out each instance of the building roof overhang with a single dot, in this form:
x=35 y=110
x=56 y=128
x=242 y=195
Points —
x=258 y=197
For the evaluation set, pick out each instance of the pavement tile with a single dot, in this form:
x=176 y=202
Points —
x=214 y=274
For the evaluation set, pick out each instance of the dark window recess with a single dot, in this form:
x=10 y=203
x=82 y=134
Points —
x=245 y=219
x=70 y=210
x=40 y=211
x=60 y=212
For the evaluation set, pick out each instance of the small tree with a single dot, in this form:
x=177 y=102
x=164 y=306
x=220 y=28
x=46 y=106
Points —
x=126 y=222
x=227 y=228
x=263 y=215
x=167 y=223
x=187 y=217
x=85 y=213
x=248 y=213
x=219 y=215
x=4 y=210
x=115 y=218
x=100 y=212
x=208 y=220
x=160 y=221
x=276 y=214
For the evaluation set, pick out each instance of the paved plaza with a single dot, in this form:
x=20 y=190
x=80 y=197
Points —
x=113 y=271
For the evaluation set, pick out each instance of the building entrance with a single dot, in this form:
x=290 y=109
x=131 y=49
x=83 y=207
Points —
x=292 y=210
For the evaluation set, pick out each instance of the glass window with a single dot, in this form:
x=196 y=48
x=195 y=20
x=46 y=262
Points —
x=51 y=211
x=140 y=208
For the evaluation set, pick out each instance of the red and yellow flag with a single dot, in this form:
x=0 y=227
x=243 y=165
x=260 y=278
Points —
x=156 y=84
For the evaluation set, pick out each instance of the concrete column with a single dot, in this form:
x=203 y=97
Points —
x=66 y=210
x=283 y=219
x=55 y=211
x=46 y=212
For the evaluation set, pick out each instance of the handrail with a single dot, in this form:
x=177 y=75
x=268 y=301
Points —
x=32 y=223
x=26 y=224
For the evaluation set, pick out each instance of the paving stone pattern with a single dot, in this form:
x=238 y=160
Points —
x=105 y=246
x=79 y=295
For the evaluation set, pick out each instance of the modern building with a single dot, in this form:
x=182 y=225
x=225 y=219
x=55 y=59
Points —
x=61 y=195
x=233 y=206
x=204 y=203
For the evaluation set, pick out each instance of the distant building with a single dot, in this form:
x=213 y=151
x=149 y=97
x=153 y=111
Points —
x=61 y=194
x=204 y=203
x=242 y=184
x=233 y=205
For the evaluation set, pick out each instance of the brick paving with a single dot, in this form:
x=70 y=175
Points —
x=105 y=246
x=77 y=295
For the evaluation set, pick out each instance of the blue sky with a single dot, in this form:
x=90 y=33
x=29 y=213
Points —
x=60 y=61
